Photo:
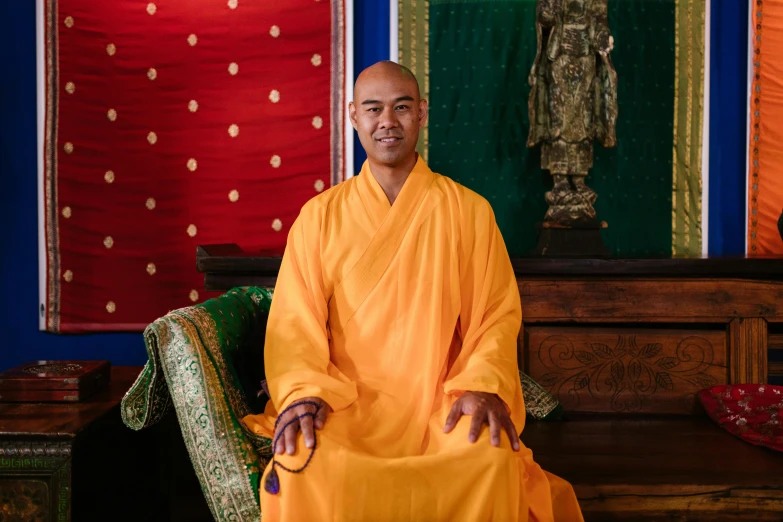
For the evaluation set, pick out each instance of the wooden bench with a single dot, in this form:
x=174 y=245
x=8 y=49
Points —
x=674 y=468
x=625 y=345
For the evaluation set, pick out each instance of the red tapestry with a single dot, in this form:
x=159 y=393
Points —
x=174 y=123
x=752 y=412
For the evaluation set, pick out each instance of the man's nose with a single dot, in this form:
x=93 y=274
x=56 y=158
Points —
x=389 y=119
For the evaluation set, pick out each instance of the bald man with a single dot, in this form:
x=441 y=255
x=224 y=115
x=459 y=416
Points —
x=391 y=353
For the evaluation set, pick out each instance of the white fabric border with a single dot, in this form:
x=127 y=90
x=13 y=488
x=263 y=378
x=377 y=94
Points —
x=394 y=30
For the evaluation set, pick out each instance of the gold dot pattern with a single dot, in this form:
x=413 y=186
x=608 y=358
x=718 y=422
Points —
x=207 y=115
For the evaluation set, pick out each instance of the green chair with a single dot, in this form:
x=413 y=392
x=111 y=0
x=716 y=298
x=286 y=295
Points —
x=207 y=360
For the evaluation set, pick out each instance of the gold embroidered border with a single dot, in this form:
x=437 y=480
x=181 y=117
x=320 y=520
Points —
x=414 y=53
x=755 y=118
x=50 y=151
x=218 y=454
x=688 y=123
x=337 y=93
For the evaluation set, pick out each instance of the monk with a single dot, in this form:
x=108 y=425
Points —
x=391 y=352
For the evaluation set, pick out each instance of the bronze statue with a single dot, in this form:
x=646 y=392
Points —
x=572 y=102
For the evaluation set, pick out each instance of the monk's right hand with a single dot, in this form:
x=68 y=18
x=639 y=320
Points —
x=300 y=417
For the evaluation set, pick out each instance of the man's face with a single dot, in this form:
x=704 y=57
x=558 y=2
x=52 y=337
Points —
x=387 y=113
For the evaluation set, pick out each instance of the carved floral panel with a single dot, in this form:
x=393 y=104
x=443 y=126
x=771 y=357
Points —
x=626 y=370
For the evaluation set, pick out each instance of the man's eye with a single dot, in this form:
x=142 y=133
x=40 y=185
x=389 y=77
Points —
x=401 y=107
x=373 y=109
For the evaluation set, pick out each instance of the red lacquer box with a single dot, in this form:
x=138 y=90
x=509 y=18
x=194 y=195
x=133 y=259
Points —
x=54 y=381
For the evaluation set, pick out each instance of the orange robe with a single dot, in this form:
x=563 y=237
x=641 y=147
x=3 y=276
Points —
x=388 y=313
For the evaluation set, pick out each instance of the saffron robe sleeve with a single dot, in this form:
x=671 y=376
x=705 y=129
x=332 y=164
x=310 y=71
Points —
x=490 y=315
x=296 y=357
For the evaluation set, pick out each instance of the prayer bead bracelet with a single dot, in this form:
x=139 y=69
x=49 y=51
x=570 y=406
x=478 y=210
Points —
x=272 y=482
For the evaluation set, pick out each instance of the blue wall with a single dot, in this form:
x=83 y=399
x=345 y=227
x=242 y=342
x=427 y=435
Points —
x=19 y=336
x=728 y=126
x=371 y=44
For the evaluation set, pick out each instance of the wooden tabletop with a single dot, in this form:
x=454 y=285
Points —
x=65 y=420
x=230 y=259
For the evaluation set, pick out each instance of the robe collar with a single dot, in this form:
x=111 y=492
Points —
x=374 y=198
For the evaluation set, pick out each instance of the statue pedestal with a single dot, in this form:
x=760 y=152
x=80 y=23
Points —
x=578 y=240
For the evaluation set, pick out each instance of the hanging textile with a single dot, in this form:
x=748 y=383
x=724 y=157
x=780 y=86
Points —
x=175 y=123
x=473 y=58
x=765 y=180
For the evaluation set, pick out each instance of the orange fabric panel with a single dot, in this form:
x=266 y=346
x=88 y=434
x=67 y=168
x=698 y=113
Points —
x=765 y=190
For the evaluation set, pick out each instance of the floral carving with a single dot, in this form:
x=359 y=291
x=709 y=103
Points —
x=625 y=374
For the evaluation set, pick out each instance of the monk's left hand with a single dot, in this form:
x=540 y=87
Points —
x=485 y=408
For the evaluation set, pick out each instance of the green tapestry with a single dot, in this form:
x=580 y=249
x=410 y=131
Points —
x=475 y=65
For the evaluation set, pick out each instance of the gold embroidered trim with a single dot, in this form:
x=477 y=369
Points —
x=687 y=124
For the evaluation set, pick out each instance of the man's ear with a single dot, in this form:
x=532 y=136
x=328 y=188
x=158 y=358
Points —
x=423 y=112
x=352 y=114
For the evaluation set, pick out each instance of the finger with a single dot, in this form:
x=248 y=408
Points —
x=279 y=438
x=290 y=437
x=454 y=416
x=494 y=430
x=475 y=425
x=513 y=436
x=306 y=425
x=320 y=416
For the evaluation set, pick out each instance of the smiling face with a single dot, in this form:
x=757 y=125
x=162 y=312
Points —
x=387 y=113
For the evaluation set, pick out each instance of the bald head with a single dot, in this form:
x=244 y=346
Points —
x=386 y=71
x=387 y=112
